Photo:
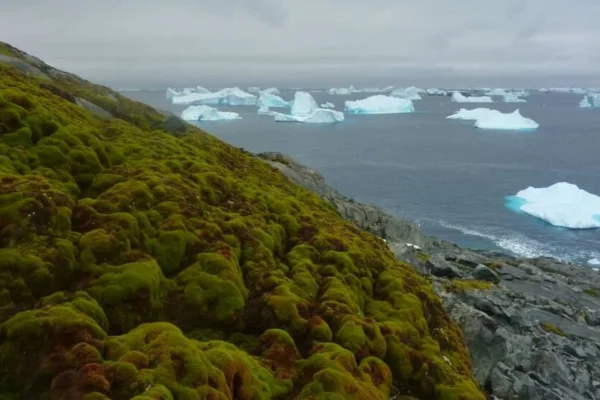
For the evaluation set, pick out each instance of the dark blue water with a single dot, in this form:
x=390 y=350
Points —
x=446 y=175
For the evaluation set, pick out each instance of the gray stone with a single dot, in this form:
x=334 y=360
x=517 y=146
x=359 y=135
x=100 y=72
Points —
x=438 y=266
x=94 y=109
x=484 y=273
x=23 y=66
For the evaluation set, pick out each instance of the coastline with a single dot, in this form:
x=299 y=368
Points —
x=532 y=325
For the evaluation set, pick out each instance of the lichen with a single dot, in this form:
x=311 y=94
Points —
x=135 y=263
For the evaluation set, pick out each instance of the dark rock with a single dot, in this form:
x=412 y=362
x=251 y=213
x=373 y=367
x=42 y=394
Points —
x=484 y=273
x=59 y=92
x=175 y=125
x=442 y=268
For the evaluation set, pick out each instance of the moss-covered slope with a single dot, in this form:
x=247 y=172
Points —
x=138 y=264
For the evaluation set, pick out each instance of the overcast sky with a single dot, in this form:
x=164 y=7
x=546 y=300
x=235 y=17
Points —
x=298 y=42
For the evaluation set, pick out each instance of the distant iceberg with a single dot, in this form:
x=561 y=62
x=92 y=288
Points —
x=458 y=97
x=500 y=121
x=380 y=104
x=171 y=93
x=253 y=89
x=497 y=92
x=410 y=93
x=513 y=98
x=303 y=104
x=585 y=102
x=318 y=116
x=206 y=113
x=229 y=96
x=272 y=90
x=271 y=100
x=327 y=105
x=472 y=115
x=436 y=92
x=200 y=89
x=339 y=91
x=594 y=261
x=264 y=110
x=562 y=204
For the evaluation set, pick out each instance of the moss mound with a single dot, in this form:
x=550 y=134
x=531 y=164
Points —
x=135 y=263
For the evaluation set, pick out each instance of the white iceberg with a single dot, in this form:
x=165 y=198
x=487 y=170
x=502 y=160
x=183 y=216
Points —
x=436 y=92
x=473 y=115
x=410 y=93
x=171 y=93
x=206 y=113
x=339 y=91
x=497 y=92
x=272 y=90
x=594 y=261
x=595 y=99
x=513 y=98
x=500 y=121
x=229 y=96
x=253 y=89
x=318 y=116
x=379 y=104
x=328 y=105
x=271 y=100
x=543 y=90
x=585 y=102
x=264 y=110
x=200 y=89
x=458 y=97
x=303 y=104
x=562 y=204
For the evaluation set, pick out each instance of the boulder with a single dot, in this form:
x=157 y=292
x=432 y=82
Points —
x=438 y=266
x=483 y=273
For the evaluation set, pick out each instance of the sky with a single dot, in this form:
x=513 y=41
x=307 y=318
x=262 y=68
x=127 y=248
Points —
x=314 y=43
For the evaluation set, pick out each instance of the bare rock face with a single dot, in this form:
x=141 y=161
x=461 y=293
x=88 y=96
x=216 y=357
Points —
x=532 y=326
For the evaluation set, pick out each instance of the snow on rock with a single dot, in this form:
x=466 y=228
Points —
x=271 y=100
x=303 y=104
x=562 y=204
x=272 y=90
x=317 y=116
x=327 y=105
x=500 y=121
x=206 y=113
x=458 y=97
x=513 y=98
x=474 y=115
x=410 y=93
x=380 y=104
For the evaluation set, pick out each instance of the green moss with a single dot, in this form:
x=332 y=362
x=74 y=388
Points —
x=592 y=292
x=548 y=327
x=106 y=225
x=466 y=285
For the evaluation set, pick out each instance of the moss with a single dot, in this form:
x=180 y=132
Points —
x=592 y=292
x=107 y=226
x=548 y=327
x=466 y=285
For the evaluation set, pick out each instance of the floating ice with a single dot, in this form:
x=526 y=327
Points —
x=562 y=204
x=272 y=90
x=200 y=89
x=303 y=104
x=410 y=93
x=206 y=113
x=253 y=89
x=458 y=97
x=339 y=91
x=594 y=99
x=171 y=93
x=271 y=100
x=585 y=102
x=264 y=110
x=474 y=115
x=231 y=96
x=379 y=104
x=318 y=116
x=513 y=98
x=497 y=92
x=328 y=105
x=513 y=121
x=436 y=92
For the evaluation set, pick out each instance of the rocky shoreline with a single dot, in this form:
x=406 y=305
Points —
x=532 y=326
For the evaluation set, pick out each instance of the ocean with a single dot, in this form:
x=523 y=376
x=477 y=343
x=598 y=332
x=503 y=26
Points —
x=446 y=175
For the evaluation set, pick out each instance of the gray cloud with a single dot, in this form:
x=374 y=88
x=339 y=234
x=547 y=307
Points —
x=289 y=40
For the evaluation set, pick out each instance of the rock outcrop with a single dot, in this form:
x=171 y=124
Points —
x=532 y=326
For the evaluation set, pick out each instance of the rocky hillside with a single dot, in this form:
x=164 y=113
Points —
x=532 y=325
x=142 y=258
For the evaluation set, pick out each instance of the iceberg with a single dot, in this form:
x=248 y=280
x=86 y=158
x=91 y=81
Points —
x=271 y=100
x=264 y=110
x=339 y=91
x=272 y=90
x=231 y=96
x=473 y=115
x=497 y=92
x=436 y=92
x=500 y=121
x=328 y=105
x=595 y=99
x=303 y=104
x=594 y=261
x=585 y=102
x=171 y=93
x=318 y=116
x=206 y=113
x=253 y=89
x=200 y=89
x=379 y=104
x=513 y=98
x=410 y=93
x=458 y=97
x=562 y=204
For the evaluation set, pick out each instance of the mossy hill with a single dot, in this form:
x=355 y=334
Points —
x=137 y=263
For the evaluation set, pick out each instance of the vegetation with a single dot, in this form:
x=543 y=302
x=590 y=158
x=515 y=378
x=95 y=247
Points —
x=135 y=263
x=592 y=292
x=548 y=327
x=467 y=285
